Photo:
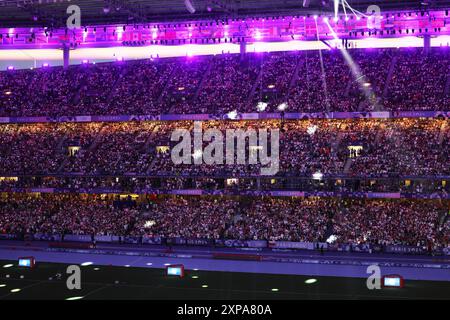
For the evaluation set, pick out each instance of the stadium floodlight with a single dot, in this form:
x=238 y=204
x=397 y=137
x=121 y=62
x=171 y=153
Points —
x=283 y=106
x=366 y=84
x=318 y=175
x=197 y=154
x=232 y=114
x=10 y=68
x=335 y=19
x=325 y=19
x=45 y=65
x=331 y=239
x=261 y=106
x=315 y=17
x=311 y=130
x=149 y=223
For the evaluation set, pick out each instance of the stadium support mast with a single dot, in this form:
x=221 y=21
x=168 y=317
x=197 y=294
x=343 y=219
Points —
x=426 y=43
x=66 y=54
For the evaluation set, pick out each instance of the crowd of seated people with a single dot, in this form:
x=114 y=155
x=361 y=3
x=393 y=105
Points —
x=216 y=95
x=330 y=147
x=306 y=81
x=274 y=219
x=391 y=223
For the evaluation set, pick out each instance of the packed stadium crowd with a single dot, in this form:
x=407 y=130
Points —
x=136 y=155
x=291 y=219
x=329 y=147
x=309 y=81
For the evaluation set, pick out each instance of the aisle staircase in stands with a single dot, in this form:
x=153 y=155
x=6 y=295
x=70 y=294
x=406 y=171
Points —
x=80 y=153
x=388 y=79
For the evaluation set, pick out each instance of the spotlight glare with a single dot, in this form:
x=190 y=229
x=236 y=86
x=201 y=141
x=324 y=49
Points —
x=283 y=106
x=311 y=281
x=318 y=175
x=74 y=298
x=311 y=130
x=232 y=115
x=261 y=106
x=197 y=154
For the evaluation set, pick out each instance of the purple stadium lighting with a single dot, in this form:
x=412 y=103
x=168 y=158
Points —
x=45 y=65
x=85 y=61
x=10 y=68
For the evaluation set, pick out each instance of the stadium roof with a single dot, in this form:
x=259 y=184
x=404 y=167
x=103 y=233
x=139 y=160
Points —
x=48 y=13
